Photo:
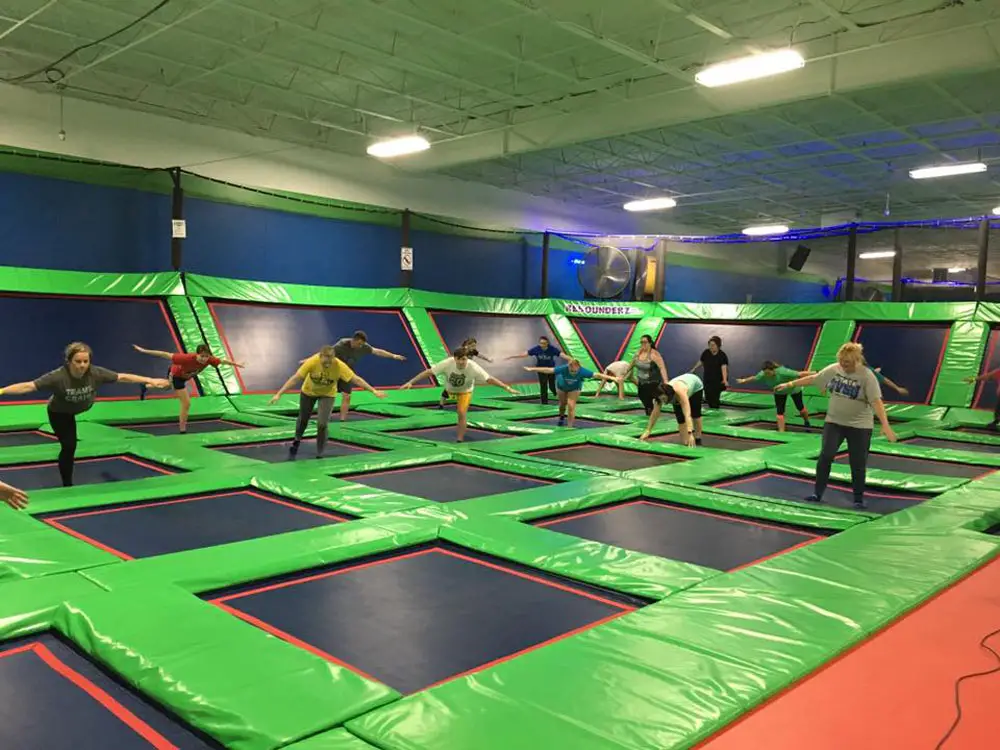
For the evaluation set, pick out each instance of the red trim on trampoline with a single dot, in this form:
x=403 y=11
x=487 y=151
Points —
x=347 y=477
x=55 y=521
x=803 y=480
x=654 y=454
x=386 y=311
x=787 y=323
x=989 y=470
x=985 y=367
x=28 y=432
x=94 y=459
x=221 y=602
x=133 y=722
x=937 y=369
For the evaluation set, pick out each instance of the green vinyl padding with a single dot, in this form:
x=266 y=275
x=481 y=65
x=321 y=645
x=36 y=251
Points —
x=962 y=359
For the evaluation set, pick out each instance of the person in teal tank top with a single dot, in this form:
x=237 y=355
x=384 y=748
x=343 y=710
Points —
x=772 y=375
x=685 y=394
x=883 y=380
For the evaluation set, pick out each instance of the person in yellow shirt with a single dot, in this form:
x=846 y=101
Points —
x=321 y=374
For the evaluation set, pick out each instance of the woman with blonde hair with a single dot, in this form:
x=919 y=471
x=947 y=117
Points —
x=855 y=399
x=74 y=389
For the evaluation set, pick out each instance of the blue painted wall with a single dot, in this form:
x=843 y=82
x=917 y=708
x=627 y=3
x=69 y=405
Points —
x=53 y=223
x=49 y=223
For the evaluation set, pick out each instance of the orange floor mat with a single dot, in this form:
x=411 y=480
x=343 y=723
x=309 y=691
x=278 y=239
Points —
x=897 y=689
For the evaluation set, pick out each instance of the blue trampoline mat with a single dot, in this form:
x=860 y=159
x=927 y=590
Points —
x=580 y=423
x=446 y=482
x=87 y=471
x=797 y=489
x=194 y=426
x=276 y=451
x=449 y=434
x=711 y=540
x=54 y=698
x=161 y=527
x=952 y=445
x=18 y=438
x=413 y=619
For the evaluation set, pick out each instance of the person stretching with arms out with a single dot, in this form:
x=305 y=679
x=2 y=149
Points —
x=650 y=372
x=184 y=367
x=684 y=393
x=990 y=375
x=619 y=371
x=471 y=347
x=320 y=374
x=569 y=382
x=883 y=380
x=545 y=356
x=460 y=375
x=74 y=389
x=349 y=351
x=855 y=397
x=772 y=375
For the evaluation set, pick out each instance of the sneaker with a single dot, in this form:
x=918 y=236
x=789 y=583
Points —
x=562 y=421
x=143 y=388
x=860 y=503
x=293 y=448
x=814 y=498
x=697 y=441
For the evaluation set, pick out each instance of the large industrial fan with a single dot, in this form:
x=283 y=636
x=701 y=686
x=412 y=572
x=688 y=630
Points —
x=605 y=272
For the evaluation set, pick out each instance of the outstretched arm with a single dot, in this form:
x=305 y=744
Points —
x=387 y=354
x=523 y=355
x=543 y=370
x=609 y=378
x=805 y=380
x=493 y=381
x=359 y=381
x=747 y=379
x=17 y=389
x=288 y=384
x=230 y=363
x=153 y=352
x=409 y=383
x=127 y=377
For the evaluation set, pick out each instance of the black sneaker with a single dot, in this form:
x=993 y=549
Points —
x=860 y=503
x=814 y=498
x=142 y=391
x=293 y=449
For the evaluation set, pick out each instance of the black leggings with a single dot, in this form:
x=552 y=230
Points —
x=64 y=427
x=858 y=443
x=780 y=399
x=713 y=393
x=545 y=383
x=649 y=393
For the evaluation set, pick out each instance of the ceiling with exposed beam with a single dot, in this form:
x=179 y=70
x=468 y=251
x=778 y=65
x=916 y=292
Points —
x=587 y=101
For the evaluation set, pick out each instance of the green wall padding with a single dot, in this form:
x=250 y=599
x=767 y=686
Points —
x=832 y=335
x=87 y=283
x=962 y=359
x=187 y=321
x=572 y=345
x=225 y=382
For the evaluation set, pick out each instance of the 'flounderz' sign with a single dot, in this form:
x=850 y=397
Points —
x=581 y=308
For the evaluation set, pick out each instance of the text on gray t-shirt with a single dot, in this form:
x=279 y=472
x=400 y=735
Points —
x=74 y=395
x=851 y=395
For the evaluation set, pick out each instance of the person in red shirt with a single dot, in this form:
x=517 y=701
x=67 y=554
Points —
x=991 y=375
x=183 y=367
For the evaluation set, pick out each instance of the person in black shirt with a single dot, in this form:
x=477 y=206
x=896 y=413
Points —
x=545 y=356
x=716 y=377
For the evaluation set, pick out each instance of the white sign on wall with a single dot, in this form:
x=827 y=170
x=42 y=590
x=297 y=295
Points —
x=178 y=229
x=406 y=258
x=590 y=308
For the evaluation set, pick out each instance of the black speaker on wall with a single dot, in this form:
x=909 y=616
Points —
x=799 y=258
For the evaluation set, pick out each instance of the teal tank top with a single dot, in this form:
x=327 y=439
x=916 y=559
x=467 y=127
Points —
x=692 y=381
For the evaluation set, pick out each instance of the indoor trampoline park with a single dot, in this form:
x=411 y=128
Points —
x=509 y=375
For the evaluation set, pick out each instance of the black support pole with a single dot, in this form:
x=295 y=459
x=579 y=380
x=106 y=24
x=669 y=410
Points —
x=176 y=214
x=852 y=261
x=406 y=274
x=544 y=288
x=897 y=267
x=983 y=244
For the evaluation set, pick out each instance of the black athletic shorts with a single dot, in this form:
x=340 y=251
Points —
x=695 y=400
x=648 y=393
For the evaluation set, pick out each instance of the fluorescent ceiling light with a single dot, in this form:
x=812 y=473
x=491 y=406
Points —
x=398 y=147
x=957 y=270
x=749 y=68
x=878 y=254
x=652 y=204
x=997 y=210
x=947 y=170
x=765 y=230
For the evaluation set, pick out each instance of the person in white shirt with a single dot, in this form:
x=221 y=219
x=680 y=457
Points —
x=460 y=376
x=617 y=370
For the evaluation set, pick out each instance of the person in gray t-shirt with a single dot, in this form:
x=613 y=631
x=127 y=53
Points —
x=349 y=351
x=74 y=388
x=855 y=400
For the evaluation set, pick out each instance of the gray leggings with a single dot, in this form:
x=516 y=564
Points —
x=306 y=405
x=858 y=443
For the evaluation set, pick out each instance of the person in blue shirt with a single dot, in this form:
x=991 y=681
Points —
x=545 y=356
x=569 y=382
